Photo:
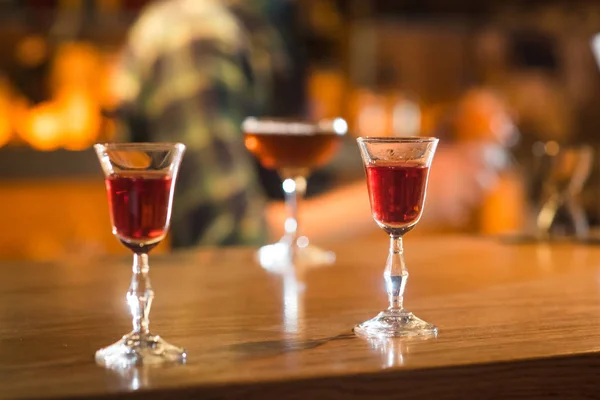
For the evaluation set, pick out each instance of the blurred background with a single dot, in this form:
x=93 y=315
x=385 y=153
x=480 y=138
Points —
x=463 y=70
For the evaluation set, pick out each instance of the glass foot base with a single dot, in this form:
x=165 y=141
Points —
x=278 y=256
x=140 y=349
x=392 y=323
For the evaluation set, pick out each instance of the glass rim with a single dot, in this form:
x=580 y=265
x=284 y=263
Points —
x=405 y=139
x=294 y=126
x=141 y=146
x=291 y=120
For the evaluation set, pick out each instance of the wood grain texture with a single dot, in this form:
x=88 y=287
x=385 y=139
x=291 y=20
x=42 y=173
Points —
x=515 y=322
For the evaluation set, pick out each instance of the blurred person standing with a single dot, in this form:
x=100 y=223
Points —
x=191 y=71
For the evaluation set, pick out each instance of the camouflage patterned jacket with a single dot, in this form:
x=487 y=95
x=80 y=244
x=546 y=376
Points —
x=192 y=70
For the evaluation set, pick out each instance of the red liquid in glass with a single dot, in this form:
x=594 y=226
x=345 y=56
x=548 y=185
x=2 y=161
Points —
x=139 y=205
x=397 y=193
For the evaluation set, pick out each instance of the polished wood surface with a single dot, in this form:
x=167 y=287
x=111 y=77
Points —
x=515 y=321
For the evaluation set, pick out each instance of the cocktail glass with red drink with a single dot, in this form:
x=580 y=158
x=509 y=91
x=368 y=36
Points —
x=397 y=171
x=293 y=149
x=140 y=179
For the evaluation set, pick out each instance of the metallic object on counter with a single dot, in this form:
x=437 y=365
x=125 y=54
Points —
x=562 y=173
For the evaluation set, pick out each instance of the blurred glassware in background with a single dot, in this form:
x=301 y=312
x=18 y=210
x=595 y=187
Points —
x=596 y=48
x=560 y=174
x=293 y=148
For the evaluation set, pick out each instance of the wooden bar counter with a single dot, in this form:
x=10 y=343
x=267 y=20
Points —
x=515 y=321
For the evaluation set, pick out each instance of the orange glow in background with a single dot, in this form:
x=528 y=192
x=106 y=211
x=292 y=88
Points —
x=71 y=118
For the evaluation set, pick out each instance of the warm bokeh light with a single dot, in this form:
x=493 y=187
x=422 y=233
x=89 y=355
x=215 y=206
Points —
x=80 y=119
x=482 y=115
x=326 y=89
x=42 y=128
x=71 y=121
x=32 y=50
x=371 y=116
x=5 y=124
x=70 y=118
x=5 y=113
x=251 y=143
x=76 y=64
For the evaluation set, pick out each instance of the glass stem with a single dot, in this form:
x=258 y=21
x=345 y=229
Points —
x=294 y=189
x=395 y=274
x=140 y=294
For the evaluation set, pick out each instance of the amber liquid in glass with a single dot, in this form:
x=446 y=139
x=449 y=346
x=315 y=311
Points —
x=292 y=151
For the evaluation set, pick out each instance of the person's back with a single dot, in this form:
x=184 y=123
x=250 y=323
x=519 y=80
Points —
x=190 y=72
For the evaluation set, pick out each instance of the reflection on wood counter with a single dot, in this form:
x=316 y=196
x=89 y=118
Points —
x=514 y=322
